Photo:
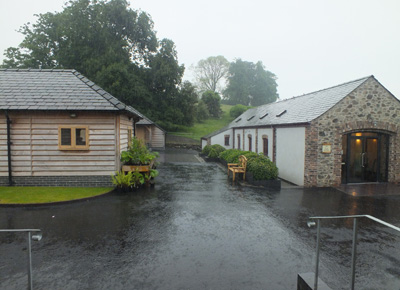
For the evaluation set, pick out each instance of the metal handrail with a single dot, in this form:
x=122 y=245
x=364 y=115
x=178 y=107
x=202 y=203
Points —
x=312 y=223
x=35 y=237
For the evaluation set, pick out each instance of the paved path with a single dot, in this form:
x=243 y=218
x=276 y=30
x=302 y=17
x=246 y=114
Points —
x=196 y=230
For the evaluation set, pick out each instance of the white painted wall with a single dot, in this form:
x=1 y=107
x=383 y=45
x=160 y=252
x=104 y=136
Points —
x=203 y=143
x=290 y=154
x=220 y=139
x=252 y=132
x=270 y=135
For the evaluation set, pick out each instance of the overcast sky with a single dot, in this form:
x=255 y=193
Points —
x=309 y=44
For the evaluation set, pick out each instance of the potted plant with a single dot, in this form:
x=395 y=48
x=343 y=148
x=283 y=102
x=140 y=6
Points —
x=139 y=159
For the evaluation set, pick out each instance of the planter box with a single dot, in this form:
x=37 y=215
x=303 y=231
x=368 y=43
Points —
x=208 y=159
x=140 y=168
x=272 y=184
x=223 y=162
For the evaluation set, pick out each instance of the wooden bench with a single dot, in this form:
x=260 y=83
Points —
x=238 y=167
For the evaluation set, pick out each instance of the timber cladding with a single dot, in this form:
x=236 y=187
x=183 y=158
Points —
x=35 y=144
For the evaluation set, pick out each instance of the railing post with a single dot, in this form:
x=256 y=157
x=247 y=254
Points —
x=354 y=253
x=317 y=255
x=30 y=282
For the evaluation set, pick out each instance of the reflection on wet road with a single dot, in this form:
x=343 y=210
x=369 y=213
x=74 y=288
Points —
x=195 y=230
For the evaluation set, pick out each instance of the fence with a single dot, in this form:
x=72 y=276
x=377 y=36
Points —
x=355 y=218
x=31 y=237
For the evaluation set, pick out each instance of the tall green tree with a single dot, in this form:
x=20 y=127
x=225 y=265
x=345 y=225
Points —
x=114 y=46
x=210 y=73
x=213 y=102
x=250 y=84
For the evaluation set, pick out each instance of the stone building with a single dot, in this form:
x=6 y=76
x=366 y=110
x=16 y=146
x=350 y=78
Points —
x=344 y=134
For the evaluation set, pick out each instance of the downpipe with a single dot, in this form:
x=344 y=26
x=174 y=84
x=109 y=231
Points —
x=9 y=143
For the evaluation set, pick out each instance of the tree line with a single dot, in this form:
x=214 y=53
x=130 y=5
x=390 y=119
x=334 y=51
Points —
x=116 y=47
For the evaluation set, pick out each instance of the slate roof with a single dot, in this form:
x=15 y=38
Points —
x=55 y=90
x=147 y=121
x=297 y=110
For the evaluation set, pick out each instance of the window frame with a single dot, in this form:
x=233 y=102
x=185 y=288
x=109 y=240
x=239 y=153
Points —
x=265 y=145
x=227 y=140
x=73 y=145
x=250 y=139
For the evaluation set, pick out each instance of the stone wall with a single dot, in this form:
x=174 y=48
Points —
x=368 y=108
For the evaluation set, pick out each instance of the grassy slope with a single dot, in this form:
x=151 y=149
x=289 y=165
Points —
x=26 y=195
x=201 y=129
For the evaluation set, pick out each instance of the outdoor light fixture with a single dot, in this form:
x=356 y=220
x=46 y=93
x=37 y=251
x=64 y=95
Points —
x=311 y=223
x=72 y=115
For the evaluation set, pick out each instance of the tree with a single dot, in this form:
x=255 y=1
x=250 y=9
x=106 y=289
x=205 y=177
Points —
x=87 y=35
x=202 y=111
x=213 y=103
x=210 y=72
x=250 y=84
x=237 y=110
x=117 y=48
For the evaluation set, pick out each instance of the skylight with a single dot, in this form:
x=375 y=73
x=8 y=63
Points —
x=238 y=120
x=280 y=114
x=263 y=116
x=250 y=118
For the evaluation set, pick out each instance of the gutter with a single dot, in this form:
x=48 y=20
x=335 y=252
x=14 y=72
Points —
x=9 y=143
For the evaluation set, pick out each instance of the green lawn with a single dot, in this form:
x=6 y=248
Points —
x=201 y=129
x=26 y=195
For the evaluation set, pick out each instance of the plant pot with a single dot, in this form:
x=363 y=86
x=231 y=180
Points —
x=223 y=162
x=274 y=184
x=140 y=168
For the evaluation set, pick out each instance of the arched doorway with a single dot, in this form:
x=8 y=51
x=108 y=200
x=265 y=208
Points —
x=365 y=157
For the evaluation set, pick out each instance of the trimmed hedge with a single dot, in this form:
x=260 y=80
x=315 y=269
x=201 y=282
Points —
x=259 y=165
x=213 y=151
x=262 y=168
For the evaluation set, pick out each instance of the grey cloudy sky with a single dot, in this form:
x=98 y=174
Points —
x=309 y=44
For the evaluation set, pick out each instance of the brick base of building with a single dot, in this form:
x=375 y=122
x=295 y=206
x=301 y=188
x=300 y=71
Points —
x=78 y=181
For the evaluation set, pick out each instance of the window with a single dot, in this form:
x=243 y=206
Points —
x=265 y=145
x=250 y=139
x=73 y=138
x=227 y=140
x=281 y=113
x=238 y=139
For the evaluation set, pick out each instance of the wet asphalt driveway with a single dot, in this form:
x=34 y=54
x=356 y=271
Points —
x=196 y=230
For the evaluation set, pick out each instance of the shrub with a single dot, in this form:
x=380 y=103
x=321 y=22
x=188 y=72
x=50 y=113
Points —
x=249 y=155
x=231 y=155
x=138 y=154
x=262 y=168
x=237 y=110
x=213 y=153
x=206 y=150
x=218 y=148
x=127 y=181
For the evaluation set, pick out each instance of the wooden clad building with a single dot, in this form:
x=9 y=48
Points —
x=152 y=134
x=58 y=128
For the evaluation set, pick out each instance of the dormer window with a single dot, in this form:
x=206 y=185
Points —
x=280 y=114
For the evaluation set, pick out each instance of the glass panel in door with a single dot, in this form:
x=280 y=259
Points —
x=355 y=172
x=370 y=165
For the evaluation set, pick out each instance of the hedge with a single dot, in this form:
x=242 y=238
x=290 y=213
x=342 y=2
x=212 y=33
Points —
x=259 y=165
